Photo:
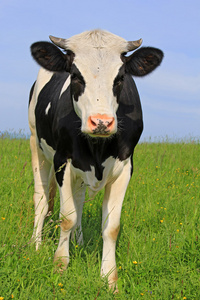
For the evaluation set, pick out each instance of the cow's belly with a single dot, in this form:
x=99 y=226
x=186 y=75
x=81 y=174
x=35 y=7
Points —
x=112 y=169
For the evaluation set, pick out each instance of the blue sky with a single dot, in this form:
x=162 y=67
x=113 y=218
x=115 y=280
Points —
x=170 y=96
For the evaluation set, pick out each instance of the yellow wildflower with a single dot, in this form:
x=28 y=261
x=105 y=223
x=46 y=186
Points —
x=60 y=284
x=135 y=262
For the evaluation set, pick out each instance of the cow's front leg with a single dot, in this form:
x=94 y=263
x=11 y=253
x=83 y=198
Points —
x=68 y=214
x=70 y=191
x=112 y=204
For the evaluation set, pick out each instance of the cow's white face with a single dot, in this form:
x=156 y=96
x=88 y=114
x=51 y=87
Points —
x=97 y=66
x=93 y=86
x=94 y=75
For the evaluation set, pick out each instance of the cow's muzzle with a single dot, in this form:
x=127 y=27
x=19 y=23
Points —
x=101 y=125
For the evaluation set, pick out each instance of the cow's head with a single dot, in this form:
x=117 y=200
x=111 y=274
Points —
x=98 y=65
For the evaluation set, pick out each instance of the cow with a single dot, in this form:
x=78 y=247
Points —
x=85 y=119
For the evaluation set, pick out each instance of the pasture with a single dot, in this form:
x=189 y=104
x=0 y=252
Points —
x=158 y=248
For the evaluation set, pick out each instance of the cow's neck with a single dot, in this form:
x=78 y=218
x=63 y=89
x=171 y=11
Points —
x=97 y=146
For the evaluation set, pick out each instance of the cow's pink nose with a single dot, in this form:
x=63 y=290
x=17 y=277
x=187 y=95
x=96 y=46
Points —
x=101 y=124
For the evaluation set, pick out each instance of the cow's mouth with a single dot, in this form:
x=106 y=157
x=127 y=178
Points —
x=100 y=135
x=101 y=129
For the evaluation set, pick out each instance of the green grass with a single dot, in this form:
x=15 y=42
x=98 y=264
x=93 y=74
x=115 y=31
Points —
x=158 y=248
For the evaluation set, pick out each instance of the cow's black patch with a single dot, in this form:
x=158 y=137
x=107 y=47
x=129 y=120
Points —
x=118 y=82
x=129 y=115
x=59 y=167
x=77 y=83
x=49 y=94
x=31 y=93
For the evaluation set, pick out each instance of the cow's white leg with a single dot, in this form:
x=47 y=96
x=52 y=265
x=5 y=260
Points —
x=112 y=204
x=69 y=214
x=41 y=169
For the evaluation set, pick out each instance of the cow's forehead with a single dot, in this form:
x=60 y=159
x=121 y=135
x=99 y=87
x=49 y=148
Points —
x=97 y=52
x=96 y=40
x=98 y=63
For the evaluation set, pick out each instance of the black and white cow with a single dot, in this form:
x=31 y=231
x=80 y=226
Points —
x=85 y=119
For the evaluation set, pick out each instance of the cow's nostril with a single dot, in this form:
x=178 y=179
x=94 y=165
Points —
x=93 y=123
x=110 y=123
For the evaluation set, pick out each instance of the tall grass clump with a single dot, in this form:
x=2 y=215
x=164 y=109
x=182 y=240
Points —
x=158 y=248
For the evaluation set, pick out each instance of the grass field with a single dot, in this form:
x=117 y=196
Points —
x=158 y=248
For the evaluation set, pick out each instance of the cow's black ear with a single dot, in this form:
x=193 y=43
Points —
x=50 y=57
x=143 y=61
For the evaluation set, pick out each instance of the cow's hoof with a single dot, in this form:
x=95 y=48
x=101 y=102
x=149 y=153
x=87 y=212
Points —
x=60 y=264
x=113 y=287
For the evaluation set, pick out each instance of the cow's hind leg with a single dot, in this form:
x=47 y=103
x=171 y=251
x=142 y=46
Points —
x=41 y=171
x=79 y=197
x=52 y=190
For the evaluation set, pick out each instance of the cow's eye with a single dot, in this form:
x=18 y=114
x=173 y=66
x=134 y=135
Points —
x=77 y=79
x=119 y=80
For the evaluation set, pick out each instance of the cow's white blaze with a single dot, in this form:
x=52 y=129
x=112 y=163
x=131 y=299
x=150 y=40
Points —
x=97 y=57
x=98 y=97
